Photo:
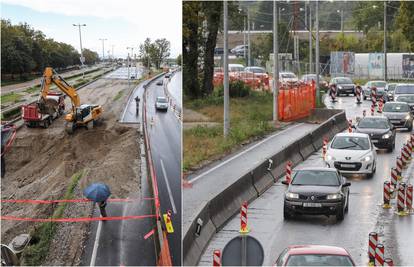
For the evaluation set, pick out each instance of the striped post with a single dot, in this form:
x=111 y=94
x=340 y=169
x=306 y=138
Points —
x=217 y=257
x=394 y=177
x=374 y=96
x=401 y=198
x=388 y=262
x=350 y=126
x=412 y=140
x=380 y=105
x=399 y=167
x=289 y=172
x=324 y=147
x=372 y=244
x=404 y=156
x=379 y=255
x=243 y=218
x=407 y=151
x=372 y=110
x=410 y=148
x=387 y=195
x=333 y=92
x=409 y=197
x=358 y=94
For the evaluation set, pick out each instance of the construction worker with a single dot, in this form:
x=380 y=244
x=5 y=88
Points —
x=137 y=104
x=102 y=206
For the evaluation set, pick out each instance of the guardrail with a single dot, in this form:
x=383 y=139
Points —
x=252 y=184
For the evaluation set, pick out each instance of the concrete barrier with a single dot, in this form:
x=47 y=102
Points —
x=306 y=147
x=262 y=180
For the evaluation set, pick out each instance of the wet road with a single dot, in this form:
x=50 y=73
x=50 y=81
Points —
x=365 y=214
x=174 y=87
x=122 y=73
x=165 y=138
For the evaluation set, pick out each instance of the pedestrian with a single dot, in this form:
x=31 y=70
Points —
x=137 y=103
x=102 y=205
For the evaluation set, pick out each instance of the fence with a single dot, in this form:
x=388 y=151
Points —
x=296 y=101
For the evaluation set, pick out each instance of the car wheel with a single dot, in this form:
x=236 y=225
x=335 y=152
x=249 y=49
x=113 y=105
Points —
x=286 y=214
x=410 y=128
x=340 y=214
x=347 y=204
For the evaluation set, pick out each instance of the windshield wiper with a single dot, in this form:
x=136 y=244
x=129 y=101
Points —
x=352 y=141
x=344 y=147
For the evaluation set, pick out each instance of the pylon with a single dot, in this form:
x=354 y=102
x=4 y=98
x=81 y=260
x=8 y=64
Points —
x=372 y=244
x=409 y=198
x=289 y=172
x=387 y=195
x=350 y=126
x=401 y=199
x=380 y=105
x=244 y=228
x=379 y=255
x=217 y=257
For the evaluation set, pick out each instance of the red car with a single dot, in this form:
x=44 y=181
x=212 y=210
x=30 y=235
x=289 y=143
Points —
x=314 y=255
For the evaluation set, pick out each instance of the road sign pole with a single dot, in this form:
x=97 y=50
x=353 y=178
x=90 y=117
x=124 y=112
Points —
x=317 y=52
x=244 y=250
x=275 y=62
x=226 y=74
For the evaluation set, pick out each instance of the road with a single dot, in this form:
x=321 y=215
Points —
x=265 y=214
x=174 y=87
x=165 y=138
x=122 y=73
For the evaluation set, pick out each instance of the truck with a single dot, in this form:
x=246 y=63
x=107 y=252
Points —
x=34 y=116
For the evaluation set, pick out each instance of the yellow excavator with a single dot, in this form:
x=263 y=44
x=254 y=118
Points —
x=81 y=115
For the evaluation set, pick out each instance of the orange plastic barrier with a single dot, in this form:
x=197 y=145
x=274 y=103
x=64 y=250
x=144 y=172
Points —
x=164 y=258
x=296 y=101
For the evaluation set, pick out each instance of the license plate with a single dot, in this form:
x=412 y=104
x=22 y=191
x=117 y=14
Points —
x=374 y=141
x=312 y=205
x=347 y=165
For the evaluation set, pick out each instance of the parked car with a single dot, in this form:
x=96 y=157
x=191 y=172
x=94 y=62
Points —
x=260 y=73
x=344 y=85
x=352 y=153
x=312 y=77
x=317 y=190
x=380 y=85
x=161 y=103
x=288 y=77
x=314 y=255
x=389 y=91
x=239 y=50
x=399 y=114
x=380 y=130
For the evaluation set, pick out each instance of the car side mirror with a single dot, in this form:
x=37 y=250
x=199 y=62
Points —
x=353 y=126
x=285 y=182
x=346 y=184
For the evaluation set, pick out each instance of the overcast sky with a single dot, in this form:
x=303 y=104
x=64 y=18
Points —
x=123 y=22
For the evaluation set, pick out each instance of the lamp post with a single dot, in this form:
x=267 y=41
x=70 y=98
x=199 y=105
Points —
x=103 y=47
x=82 y=59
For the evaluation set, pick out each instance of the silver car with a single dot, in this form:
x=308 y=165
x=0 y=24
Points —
x=161 y=103
x=399 y=114
x=380 y=85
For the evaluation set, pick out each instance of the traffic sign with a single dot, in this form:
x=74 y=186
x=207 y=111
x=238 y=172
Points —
x=243 y=250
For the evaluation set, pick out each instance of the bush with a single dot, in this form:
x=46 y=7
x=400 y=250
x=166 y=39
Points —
x=236 y=89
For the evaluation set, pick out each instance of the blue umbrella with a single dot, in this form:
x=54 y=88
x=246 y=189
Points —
x=97 y=192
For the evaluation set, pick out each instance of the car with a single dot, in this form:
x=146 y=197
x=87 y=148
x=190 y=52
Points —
x=239 y=50
x=389 y=91
x=409 y=99
x=312 y=77
x=352 y=153
x=344 y=85
x=380 y=130
x=161 y=103
x=167 y=76
x=405 y=93
x=314 y=255
x=236 y=67
x=399 y=114
x=132 y=76
x=379 y=85
x=317 y=191
x=260 y=73
x=288 y=77
x=159 y=82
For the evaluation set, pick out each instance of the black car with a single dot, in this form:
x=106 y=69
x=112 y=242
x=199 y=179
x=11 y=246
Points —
x=319 y=191
x=380 y=130
x=344 y=85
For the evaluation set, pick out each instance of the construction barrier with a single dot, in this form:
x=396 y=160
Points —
x=288 y=178
x=216 y=258
x=379 y=255
x=372 y=244
x=401 y=198
x=387 y=195
x=409 y=197
x=243 y=218
x=296 y=101
x=388 y=262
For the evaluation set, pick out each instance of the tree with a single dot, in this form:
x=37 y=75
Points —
x=91 y=57
x=405 y=21
x=179 y=60
x=160 y=51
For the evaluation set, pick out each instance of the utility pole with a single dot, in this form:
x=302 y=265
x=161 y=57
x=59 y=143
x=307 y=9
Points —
x=82 y=59
x=310 y=37
x=317 y=51
x=275 y=62
x=342 y=21
x=248 y=36
x=128 y=70
x=385 y=42
x=226 y=118
x=132 y=53
x=103 y=47
x=113 y=57
x=244 y=38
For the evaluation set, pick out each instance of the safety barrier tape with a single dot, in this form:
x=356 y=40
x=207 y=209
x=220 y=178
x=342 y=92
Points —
x=37 y=201
x=81 y=219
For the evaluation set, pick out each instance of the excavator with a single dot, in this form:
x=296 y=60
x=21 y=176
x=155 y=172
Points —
x=81 y=115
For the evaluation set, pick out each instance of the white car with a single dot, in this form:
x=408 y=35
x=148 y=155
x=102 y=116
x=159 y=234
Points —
x=352 y=153
x=288 y=77
x=161 y=103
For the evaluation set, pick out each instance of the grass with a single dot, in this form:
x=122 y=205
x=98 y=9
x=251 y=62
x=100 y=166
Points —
x=118 y=95
x=32 y=89
x=11 y=97
x=42 y=236
x=249 y=117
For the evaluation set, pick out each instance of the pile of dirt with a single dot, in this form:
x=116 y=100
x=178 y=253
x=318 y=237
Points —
x=42 y=161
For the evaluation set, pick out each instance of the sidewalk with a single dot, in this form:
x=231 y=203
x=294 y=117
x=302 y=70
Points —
x=213 y=179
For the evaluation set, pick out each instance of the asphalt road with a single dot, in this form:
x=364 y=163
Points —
x=122 y=73
x=175 y=87
x=265 y=214
x=165 y=138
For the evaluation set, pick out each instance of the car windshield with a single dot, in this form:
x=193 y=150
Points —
x=315 y=177
x=375 y=123
x=396 y=107
x=343 y=80
x=404 y=89
x=235 y=68
x=378 y=84
x=350 y=142
x=319 y=260
x=256 y=70
x=161 y=100
x=405 y=98
x=288 y=75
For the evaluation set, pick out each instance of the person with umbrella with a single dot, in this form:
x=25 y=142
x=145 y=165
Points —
x=98 y=193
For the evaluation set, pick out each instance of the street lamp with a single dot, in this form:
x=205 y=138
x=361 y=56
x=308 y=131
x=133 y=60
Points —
x=132 y=52
x=82 y=59
x=103 y=47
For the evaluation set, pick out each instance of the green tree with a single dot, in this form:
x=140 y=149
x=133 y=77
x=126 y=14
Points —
x=91 y=57
x=179 y=60
x=405 y=21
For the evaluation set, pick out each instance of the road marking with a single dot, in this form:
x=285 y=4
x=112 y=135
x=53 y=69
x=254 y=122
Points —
x=168 y=186
x=96 y=244
x=238 y=155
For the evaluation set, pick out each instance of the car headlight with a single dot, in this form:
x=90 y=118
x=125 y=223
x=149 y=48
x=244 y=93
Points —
x=407 y=117
x=367 y=158
x=292 y=195
x=387 y=135
x=329 y=157
x=339 y=87
x=334 y=196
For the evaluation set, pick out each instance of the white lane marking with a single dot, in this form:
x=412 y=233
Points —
x=168 y=187
x=238 y=155
x=96 y=244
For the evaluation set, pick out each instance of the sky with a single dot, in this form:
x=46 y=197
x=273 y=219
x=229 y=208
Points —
x=124 y=23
